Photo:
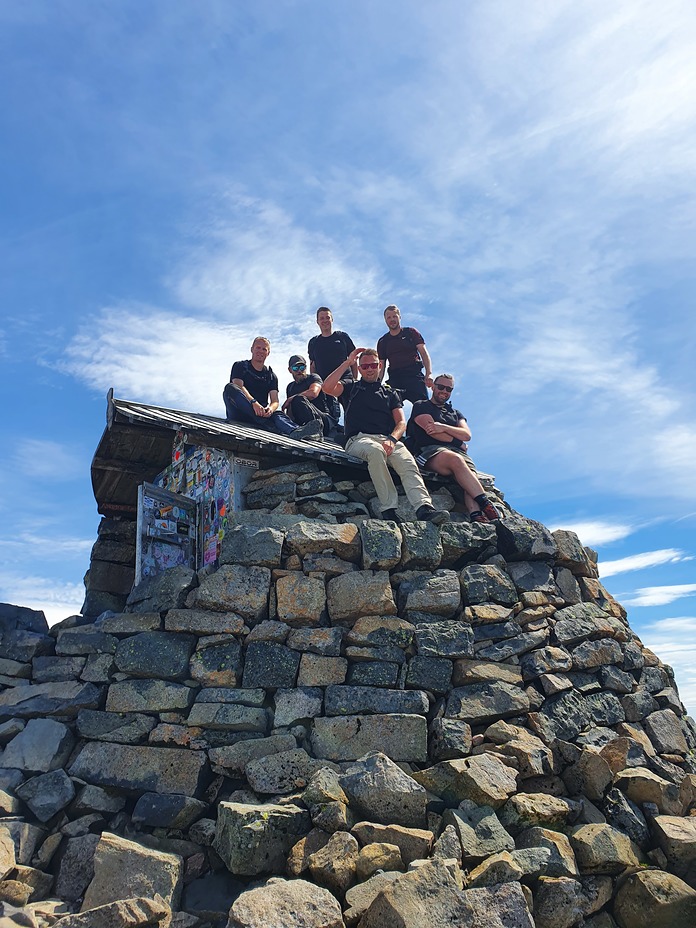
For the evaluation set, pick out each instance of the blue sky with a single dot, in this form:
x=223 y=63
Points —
x=518 y=177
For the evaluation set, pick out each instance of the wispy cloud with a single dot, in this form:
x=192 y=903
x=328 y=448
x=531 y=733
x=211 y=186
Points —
x=660 y=595
x=596 y=532
x=642 y=561
x=48 y=460
x=674 y=640
x=56 y=599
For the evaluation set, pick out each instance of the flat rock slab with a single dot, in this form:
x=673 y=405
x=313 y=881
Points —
x=310 y=537
x=141 y=769
x=381 y=792
x=371 y=700
x=357 y=594
x=401 y=737
x=148 y=696
x=42 y=699
x=653 y=899
x=486 y=702
x=235 y=588
x=479 y=831
x=128 y=913
x=42 y=745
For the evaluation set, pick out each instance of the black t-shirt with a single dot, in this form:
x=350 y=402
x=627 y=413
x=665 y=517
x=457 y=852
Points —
x=327 y=352
x=446 y=414
x=258 y=383
x=368 y=408
x=295 y=387
x=400 y=350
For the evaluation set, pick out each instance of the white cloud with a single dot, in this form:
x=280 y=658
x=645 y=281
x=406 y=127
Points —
x=673 y=640
x=660 y=595
x=642 y=561
x=57 y=599
x=595 y=532
x=48 y=460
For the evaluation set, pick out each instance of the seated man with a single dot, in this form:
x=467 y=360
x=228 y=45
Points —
x=374 y=423
x=247 y=396
x=306 y=401
x=438 y=433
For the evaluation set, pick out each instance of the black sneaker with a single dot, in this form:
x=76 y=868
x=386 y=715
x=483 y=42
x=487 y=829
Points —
x=391 y=515
x=430 y=514
x=309 y=431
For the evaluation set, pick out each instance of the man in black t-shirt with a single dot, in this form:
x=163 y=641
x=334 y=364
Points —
x=251 y=396
x=438 y=433
x=374 y=423
x=327 y=351
x=404 y=349
x=305 y=399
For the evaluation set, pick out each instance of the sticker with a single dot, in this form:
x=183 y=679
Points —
x=210 y=552
x=148 y=502
x=182 y=528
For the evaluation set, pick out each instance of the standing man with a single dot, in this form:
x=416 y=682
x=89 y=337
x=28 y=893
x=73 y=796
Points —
x=251 y=396
x=327 y=350
x=404 y=349
x=306 y=401
x=374 y=424
x=438 y=433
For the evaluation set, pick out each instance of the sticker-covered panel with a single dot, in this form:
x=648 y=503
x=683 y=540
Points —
x=167 y=531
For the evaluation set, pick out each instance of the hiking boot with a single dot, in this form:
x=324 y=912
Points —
x=310 y=431
x=490 y=512
x=391 y=515
x=478 y=516
x=428 y=513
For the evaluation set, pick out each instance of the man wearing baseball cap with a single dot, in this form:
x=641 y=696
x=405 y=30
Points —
x=305 y=401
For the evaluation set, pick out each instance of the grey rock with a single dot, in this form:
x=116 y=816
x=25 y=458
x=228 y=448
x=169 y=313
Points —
x=75 y=867
x=603 y=849
x=42 y=745
x=95 y=799
x=604 y=708
x=365 y=700
x=36 y=701
x=307 y=537
x=437 y=594
x=284 y=903
x=592 y=654
x=255 y=839
x=323 y=641
x=520 y=644
x=568 y=586
x=130 y=767
x=571 y=554
x=270 y=665
x=465 y=541
x=85 y=640
x=158 y=811
x=300 y=600
x=282 y=773
x=381 y=631
x=421 y=545
x=545 y=660
x=402 y=737
x=584 y=620
x=227 y=717
x=433 y=674
x=521 y=539
x=357 y=594
x=52 y=669
x=627 y=817
x=22 y=617
x=483 y=778
x=122 y=727
x=237 y=697
x=21 y=645
x=566 y=715
x=47 y=794
x=251 y=545
x=381 y=792
x=167 y=590
x=665 y=732
x=148 y=696
x=235 y=588
x=381 y=545
x=531 y=576
x=125 y=869
x=217 y=664
x=203 y=622
x=486 y=702
x=294 y=705
x=127 y=913
x=445 y=639
x=501 y=906
x=486 y=583
x=558 y=902
x=231 y=760
x=449 y=738
x=619 y=681
x=359 y=898
x=653 y=899
x=129 y=623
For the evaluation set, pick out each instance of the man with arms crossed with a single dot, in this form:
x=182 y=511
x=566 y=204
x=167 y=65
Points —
x=405 y=350
x=327 y=350
x=438 y=434
x=374 y=424
x=251 y=396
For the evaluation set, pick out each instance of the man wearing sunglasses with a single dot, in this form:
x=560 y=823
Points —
x=251 y=396
x=306 y=402
x=374 y=423
x=438 y=435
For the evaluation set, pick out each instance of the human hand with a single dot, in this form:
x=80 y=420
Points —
x=388 y=447
x=429 y=381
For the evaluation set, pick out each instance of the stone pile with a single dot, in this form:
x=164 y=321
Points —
x=349 y=722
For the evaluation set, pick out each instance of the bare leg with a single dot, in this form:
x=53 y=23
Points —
x=450 y=464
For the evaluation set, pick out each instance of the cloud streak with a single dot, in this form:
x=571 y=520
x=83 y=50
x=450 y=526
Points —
x=642 y=561
x=660 y=595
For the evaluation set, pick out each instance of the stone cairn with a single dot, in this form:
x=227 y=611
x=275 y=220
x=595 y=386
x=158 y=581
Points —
x=349 y=722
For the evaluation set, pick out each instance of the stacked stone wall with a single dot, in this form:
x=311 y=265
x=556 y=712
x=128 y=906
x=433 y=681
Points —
x=349 y=722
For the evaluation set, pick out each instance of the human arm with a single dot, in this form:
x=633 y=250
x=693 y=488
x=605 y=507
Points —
x=259 y=410
x=427 y=363
x=351 y=347
x=273 y=403
x=397 y=431
x=439 y=430
x=311 y=393
x=332 y=385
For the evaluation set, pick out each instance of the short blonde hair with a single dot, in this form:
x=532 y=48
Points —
x=369 y=351
x=261 y=338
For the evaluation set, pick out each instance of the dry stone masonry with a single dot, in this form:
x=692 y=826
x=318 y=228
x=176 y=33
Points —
x=349 y=723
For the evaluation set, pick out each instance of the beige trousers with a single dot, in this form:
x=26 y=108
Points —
x=369 y=448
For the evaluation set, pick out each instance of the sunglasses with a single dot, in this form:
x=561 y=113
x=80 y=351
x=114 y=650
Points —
x=443 y=387
x=298 y=367
x=370 y=367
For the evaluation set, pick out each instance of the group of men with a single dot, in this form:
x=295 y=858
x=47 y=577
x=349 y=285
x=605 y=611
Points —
x=374 y=420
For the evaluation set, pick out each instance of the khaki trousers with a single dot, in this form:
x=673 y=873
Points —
x=369 y=448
